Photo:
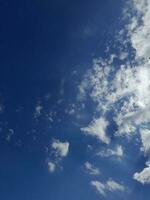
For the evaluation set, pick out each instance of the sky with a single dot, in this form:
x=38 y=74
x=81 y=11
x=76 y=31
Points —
x=74 y=100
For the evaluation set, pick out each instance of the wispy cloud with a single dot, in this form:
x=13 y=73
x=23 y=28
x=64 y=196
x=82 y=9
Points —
x=91 y=169
x=109 y=186
x=117 y=152
x=51 y=166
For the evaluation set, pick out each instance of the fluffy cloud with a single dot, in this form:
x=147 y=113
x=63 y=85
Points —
x=61 y=148
x=91 y=169
x=143 y=176
x=109 y=186
x=117 y=152
x=97 y=128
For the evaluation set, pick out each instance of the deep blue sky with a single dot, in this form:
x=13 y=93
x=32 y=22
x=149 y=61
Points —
x=42 y=45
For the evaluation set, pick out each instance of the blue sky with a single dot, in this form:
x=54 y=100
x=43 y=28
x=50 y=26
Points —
x=74 y=100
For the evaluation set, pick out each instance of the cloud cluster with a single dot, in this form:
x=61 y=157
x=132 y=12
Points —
x=117 y=152
x=109 y=186
x=139 y=32
x=125 y=92
x=122 y=89
x=59 y=150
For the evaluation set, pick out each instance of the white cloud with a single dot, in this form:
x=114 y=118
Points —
x=97 y=128
x=143 y=176
x=139 y=32
x=123 y=55
x=91 y=169
x=125 y=89
x=100 y=187
x=51 y=166
x=61 y=148
x=145 y=137
x=125 y=92
x=109 y=186
x=117 y=152
x=112 y=186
